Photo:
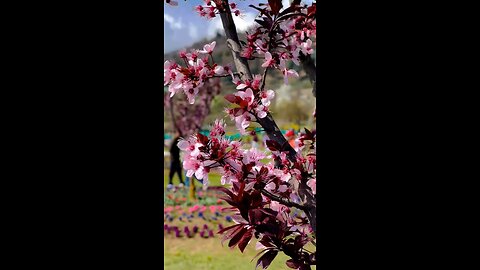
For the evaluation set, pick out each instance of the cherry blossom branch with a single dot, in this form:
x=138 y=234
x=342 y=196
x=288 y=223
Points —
x=226 y=75
x=268 y=123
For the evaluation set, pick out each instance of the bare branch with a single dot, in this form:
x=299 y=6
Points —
x=225 y=75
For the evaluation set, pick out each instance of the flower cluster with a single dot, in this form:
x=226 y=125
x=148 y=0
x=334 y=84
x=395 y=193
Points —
x=284 y=39
x=237 y=165
x=214 y=7
x=251 y=100
x=193 y=75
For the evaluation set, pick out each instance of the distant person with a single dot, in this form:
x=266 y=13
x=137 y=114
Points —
x=255 y=141
x=175 y=164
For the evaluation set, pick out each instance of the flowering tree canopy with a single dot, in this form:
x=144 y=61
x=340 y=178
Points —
x=274 y=201
x=188 y=118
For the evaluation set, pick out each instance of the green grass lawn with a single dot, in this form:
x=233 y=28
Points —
x=208 y=254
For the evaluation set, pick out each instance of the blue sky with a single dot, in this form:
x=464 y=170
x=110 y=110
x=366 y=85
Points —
x=183 y=26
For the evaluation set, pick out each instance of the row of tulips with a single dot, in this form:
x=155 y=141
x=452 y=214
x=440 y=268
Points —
x=205 y=232
x=193 y=209
x=189 y=218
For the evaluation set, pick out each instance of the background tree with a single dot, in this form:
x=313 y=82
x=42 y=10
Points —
x=188 y=118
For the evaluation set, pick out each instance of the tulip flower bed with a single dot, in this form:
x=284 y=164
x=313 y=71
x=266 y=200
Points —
x=199 y=218
x=179 y=197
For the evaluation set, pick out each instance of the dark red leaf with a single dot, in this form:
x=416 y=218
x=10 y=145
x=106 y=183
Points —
x=266 y=241
x=238 y=99
x=232 y=232
x=304 y=267
x=263 y=23
x=235 y=239
x=293 y=264
x=228 y=228
x=312 y=9
x=262 y=10
x=308 y=135
x=300 y=241
x=250 y=185
x=259 y=253
x=231 y=98
x=287 y=10
x=245 y=239
x=275 y=5
x=202 y=138
x=266 y=259
x=269 y=212
x=263 y=170
x=243 y=103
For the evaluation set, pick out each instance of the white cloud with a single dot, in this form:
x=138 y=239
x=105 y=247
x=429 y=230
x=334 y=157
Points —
x=173 y=23
x=192 y=31
x=285 y=3
x=242 y=22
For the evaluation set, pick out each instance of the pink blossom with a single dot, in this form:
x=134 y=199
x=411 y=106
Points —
x=191 y=93
x=270 y=187
x=218 y=128
x=269 y=61
x=307 y=47
x=242 y=122
x=246 y=95
x=261 y=111
x=219 y=70
x=191 y=165
x=253 y=155
x=182 y=54
x=256 y=82
x=267 y=96
x=190 y=148
x=287 y=72
x=208 y=48
x=296 y=56
x=247 y=52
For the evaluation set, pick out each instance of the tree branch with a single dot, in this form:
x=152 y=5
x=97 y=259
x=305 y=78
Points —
x=285 y=201
x=225 y=75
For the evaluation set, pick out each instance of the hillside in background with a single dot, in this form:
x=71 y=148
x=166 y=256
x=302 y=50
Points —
x=291 y=108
